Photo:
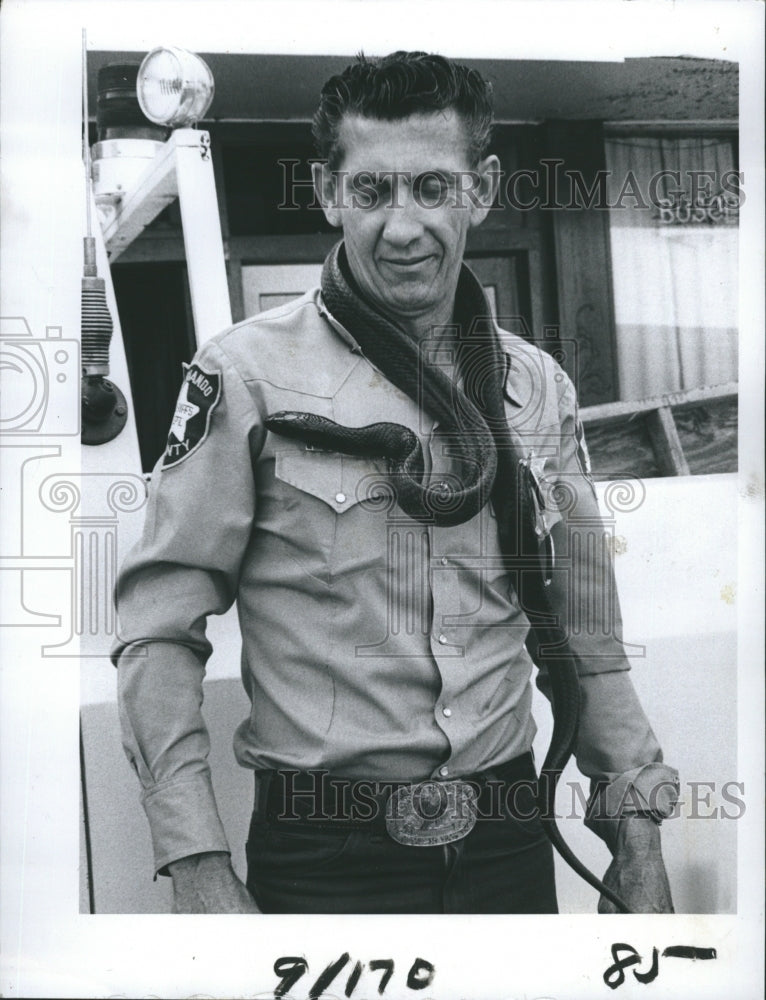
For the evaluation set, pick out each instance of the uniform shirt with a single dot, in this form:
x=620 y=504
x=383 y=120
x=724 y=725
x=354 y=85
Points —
x=373 y=646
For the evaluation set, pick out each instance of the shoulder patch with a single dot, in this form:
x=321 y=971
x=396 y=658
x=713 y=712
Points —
x=199 y=396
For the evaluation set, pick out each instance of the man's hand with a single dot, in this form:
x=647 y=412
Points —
x=206 y=883
x=637 y=872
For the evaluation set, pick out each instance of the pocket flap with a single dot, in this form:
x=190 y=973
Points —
x=340 y=481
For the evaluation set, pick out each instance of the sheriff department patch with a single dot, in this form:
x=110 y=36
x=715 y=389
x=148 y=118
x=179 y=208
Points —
x=189 y=427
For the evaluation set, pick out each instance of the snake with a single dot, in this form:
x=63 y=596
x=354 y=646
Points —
x=488 y=469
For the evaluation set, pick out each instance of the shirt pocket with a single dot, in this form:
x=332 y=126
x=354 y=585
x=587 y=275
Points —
x=334 y=511
x=340 y=481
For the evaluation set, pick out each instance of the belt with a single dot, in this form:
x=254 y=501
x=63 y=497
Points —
x=424 y=813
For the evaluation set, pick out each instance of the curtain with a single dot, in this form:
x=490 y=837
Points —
x=674 y=270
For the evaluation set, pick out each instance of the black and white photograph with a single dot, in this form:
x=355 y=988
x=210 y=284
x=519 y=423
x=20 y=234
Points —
x=381 y=442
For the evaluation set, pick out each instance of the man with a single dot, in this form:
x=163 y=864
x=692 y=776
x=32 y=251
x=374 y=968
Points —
x=382 y=607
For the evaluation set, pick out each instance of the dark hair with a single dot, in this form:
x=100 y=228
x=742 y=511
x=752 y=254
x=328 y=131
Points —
x=399 y=85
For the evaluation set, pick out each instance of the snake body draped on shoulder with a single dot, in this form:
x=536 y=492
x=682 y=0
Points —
x=487 y=469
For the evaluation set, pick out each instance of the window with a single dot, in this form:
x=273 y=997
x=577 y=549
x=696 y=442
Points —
x=673 y=212
x=673 y=230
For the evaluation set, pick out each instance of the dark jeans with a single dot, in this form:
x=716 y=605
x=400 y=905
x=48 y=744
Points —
x=504 y=865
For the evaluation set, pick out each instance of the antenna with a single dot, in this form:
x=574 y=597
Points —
x=103 y=405
x=85 y=127
x=89 y=243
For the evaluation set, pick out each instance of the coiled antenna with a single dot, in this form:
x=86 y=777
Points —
x=104 y=408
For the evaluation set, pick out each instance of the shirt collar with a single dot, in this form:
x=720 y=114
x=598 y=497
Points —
x=512 y=375
x=512 y=371
x=334 y=323
x=511 y=385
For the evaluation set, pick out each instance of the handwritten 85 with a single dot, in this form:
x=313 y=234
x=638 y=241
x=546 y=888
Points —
x=377 y=975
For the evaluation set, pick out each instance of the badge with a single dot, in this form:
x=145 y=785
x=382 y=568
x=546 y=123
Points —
x=536 y=466
x=582 y=455
x=189 y=427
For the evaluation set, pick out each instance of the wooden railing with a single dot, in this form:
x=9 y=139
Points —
x=609 y=426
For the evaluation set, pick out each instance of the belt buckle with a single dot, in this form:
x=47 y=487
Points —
x=431 y=813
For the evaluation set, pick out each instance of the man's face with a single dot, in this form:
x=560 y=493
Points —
x=406 y=196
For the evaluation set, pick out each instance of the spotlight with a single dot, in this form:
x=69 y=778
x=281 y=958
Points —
x=174 y=87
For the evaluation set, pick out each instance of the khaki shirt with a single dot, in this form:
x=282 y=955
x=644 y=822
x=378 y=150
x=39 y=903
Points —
x=373 y=646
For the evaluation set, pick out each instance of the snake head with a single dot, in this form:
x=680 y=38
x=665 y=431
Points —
x=285 y=418
x=310 y=428
x=292 y=423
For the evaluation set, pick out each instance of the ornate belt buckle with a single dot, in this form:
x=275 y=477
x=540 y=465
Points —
x=431 y=813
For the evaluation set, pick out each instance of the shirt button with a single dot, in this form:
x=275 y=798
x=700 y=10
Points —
x=444 y=771
x=447 y=712
x=443 y=639
x=340 y=497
